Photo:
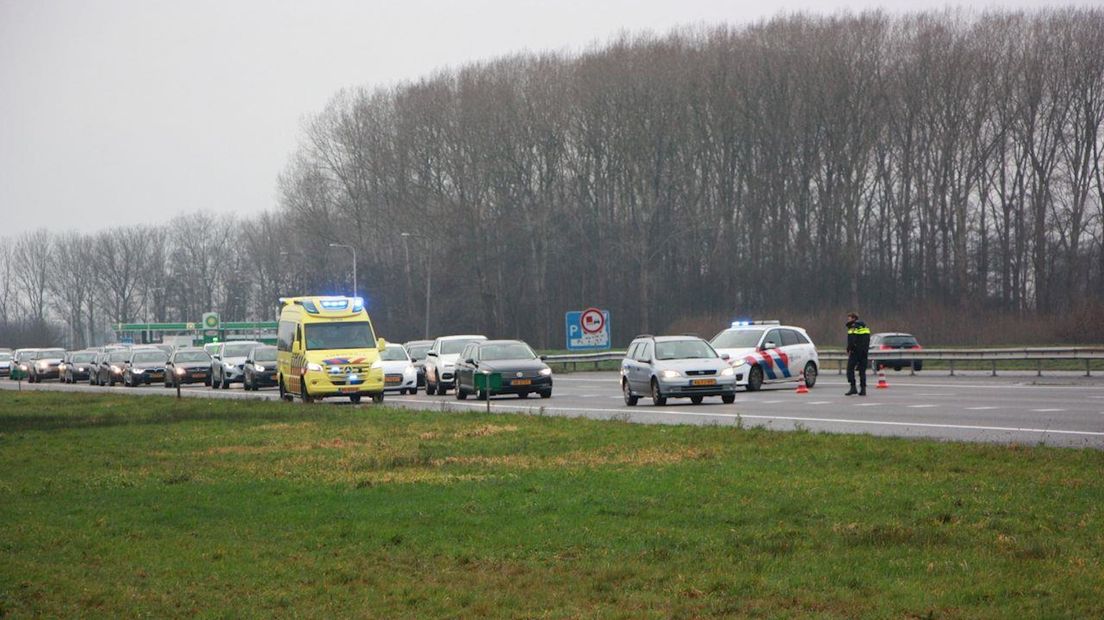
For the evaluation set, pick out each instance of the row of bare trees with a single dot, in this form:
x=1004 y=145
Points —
x=866 y=161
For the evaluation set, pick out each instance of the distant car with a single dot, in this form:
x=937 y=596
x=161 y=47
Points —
x=45 y=365
x=890 y=341
x=417 y=350
x=764 y=352
x=228 y=362
x=440 y=362
x=489 y=367
x=144 y=366
x=77 y=366
x=21 y=364
x=5 y=363
x=260 y=368
x=109 y=371
x=187 y=366
x=675 y=367
x=399 y=373
x=166 y=347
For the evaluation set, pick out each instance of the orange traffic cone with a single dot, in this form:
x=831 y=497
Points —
x=801 y=387
x=882 y=380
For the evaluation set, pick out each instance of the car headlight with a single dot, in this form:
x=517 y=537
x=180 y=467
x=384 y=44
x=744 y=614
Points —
x=546 y=372
x=137 y=371
x=43 y=365
x=258 y=368
x=180 y=371
x=61 y=366
x=728 y=372
x=228 y=366
x=116 y=369
x=314 y=367
x=376 y=365
x=670 y=374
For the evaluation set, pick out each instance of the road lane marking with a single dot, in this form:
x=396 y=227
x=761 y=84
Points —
x=770 y=402
x=1047 y=410
x=819 y=402
x=979 y=408
x=867 y=404
x=921 y=406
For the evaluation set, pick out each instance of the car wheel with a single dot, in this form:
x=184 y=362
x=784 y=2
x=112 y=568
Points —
x=523 y=395
x=917 y=366
x=224 y=384
x=377 y=398
x=630 y=398
x=810 y=374
x=430 y=389
x=658 y=399
x=441 y=389
x=284 y=394
x=460 y=393
x=728 y=399
x=755 y=379
x=697 y=400
x=304 y=393
x=354 y=398
x=546 y=394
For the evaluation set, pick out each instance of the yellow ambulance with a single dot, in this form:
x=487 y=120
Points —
x=326 y=347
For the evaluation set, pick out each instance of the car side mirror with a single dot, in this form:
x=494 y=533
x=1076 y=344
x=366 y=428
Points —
x=470 y=361
x=216 y=357
x=767 y=346
x=726 y=356
x=381 y=344
x=431 y=354
x=543 y=358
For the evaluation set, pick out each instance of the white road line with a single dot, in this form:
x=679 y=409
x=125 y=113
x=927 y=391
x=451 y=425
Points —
x=921 y=406
x=868 y=404
x=979 y=408
x=771 y=402
x=1047 y=410
x=819 y=402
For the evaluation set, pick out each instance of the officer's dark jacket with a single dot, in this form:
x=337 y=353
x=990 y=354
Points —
x=858 y=337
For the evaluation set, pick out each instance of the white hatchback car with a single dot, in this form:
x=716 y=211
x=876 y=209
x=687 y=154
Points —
x=399 y=373
x=441 y=360
x=766 y=352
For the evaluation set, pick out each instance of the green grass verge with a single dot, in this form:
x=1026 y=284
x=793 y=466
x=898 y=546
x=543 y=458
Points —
x=115 y=506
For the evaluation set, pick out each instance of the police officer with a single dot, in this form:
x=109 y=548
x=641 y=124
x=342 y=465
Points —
x=858 y=348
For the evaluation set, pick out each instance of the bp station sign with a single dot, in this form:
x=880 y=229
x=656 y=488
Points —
x=587 y=330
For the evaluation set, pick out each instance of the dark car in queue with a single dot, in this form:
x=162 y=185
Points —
x=144 y=366
x=187 y=366
x=895 y=341
x=490 y=367
x=46 y=364
x=260 y=368
x=77 y=366
x=110 y=369
x=228 y=364
x=5 y=363
x=417 y=350
x=21 y=364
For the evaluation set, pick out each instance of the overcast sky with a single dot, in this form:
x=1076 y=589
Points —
x=128 y=111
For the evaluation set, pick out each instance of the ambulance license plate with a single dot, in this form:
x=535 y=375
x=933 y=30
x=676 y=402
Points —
x=704 y=382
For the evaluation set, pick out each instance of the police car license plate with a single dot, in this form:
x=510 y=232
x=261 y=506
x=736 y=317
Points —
x=521 y=382
x=704 y=382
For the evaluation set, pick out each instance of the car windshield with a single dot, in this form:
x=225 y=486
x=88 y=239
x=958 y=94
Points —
x=419 y=351
x=49 y=353
x=452 y=347
x=506 y=351
x=83 y=358
x=267 y=354
x=118 y=356
x=5 y=357
x=356 y=335
x=237 y=350
x=192 y=356
x=684 y=349
x=150 y=357
x=393 y=354
x=737 y=338
x=900 y=341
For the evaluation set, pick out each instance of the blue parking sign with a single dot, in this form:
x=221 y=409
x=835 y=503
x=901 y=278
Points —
x=587 y=330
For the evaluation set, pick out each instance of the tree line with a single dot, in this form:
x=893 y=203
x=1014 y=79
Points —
x=864 y=161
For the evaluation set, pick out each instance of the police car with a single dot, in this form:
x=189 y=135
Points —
x=766 y=352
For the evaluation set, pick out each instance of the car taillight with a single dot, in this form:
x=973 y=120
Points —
x=915 y=346
x=884 y=347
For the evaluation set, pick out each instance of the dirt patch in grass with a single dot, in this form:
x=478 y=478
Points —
x=486 y=430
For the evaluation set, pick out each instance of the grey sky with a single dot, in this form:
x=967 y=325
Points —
x=134 y=111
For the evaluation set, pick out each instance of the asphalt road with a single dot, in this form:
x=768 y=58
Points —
x=1060 y=409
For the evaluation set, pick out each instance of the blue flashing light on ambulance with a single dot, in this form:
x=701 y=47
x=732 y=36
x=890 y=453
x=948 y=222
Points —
x=326 y=346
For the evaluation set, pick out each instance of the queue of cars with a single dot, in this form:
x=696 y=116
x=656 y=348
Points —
x=326 y=347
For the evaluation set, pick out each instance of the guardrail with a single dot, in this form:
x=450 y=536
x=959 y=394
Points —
x=1038 y=355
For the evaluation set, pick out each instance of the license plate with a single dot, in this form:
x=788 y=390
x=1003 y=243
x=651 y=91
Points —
x=704 y=382
x=157 y=375
x=521 y=382
x=393 y=379
x=348 y=390
x=197 y=375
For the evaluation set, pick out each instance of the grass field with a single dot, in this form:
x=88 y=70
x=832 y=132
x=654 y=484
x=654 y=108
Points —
x=115 y=506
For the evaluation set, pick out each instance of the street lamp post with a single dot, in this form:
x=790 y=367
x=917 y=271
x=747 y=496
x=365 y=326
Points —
x=342 y=245
x=429 y=279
